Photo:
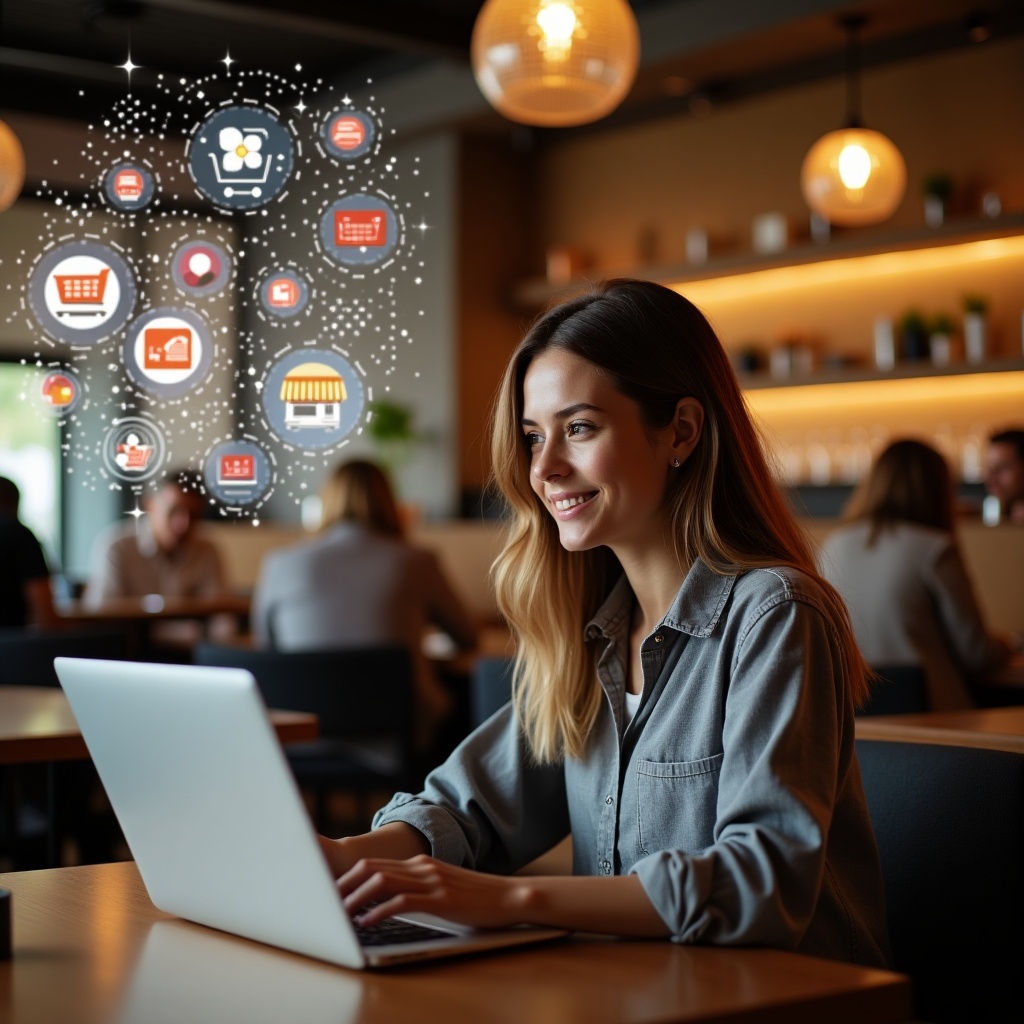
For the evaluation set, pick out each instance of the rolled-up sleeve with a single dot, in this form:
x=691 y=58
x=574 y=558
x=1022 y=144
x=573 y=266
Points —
x=490 y=806
x=759 y=881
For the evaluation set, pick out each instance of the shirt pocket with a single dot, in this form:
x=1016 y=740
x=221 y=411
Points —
x=677 y=803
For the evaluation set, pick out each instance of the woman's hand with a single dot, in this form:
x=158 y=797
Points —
x=424 y=885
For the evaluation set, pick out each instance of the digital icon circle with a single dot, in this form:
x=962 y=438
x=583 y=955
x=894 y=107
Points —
x=200 y=268
x=82 y=292
x=237 y=472
x=60 y=391
x=348 y=134
x=129 y=186
x=241 y=157
x=283 y=294
x=134 y=449
x=359 y=230
x=167 y=351
x=313 y=398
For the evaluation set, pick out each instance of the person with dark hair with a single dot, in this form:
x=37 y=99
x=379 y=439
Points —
x=26 y=598
x=1004 y=473
x=160 y=552
x=360 y=583
x=897 y=564
x=684 y=684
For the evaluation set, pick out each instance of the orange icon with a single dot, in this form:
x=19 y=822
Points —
x=360 y=227
x=167 y=348
x=128 y=186
x=284 y=293
x=58 y=390
x=347 y=132
x=236 y=469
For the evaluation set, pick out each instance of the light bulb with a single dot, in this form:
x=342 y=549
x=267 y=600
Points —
x=854 y=166
x=557 y=21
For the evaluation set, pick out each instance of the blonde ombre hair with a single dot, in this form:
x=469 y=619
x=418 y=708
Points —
x=358 y=491
x=723 y=504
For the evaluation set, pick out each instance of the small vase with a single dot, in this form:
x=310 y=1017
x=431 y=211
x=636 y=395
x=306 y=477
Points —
x=934 y=211
x=975 y=337
x=939 y=346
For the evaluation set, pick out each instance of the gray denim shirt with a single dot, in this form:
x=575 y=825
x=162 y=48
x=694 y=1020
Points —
x=734 y=794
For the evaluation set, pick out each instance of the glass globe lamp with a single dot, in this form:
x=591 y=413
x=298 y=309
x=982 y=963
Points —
x=555 y=63
x=12 y=167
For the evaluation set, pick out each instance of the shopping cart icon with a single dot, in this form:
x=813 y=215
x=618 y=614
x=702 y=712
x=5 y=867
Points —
x=360 y=227
x=82 y=290
x=243 y=175
x=134 y=457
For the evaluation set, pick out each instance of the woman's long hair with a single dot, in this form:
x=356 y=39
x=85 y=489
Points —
x=358 y=491
x=723 y=504
x=909 y=482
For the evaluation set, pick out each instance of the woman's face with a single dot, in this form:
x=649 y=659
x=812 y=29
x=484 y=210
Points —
x=600 y=474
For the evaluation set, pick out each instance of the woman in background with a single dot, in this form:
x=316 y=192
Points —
x=360 y=583
x=684 y=684
x=897 y=565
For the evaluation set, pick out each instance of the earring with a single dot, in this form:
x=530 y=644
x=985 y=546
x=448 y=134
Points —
x=675 y=463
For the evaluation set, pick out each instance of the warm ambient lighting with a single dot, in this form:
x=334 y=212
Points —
x=853 y=175
x=555 y=63
x=12 y=167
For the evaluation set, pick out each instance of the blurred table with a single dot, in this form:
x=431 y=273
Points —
x=994 y=728
x=37 y=725
x=90 y=948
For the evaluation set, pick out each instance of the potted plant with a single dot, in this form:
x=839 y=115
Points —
x=391 y=430
x=975 y=328
x=937 y=189
x=940 y=339
x=913 y=336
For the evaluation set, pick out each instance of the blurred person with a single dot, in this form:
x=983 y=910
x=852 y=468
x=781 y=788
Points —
x=897 y=564
x=359 y=582
x=160 y=552
x=26 y=597
x=1004 y=473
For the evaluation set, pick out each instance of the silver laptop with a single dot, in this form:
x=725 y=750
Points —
x=215 y=820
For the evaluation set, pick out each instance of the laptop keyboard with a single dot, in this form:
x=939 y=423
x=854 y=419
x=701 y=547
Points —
x=392 y=931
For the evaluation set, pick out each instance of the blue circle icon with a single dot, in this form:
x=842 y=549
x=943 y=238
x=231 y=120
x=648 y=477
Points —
x=237 y=472
x=359 y=230
x=241 y=157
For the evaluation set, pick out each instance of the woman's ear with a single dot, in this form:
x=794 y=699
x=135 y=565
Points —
x=687 y=426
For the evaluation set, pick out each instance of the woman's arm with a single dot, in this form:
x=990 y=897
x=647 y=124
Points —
x=396 y=841
x=613 y=906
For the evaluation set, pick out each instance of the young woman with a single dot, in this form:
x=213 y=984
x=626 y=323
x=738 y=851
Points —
x=897 y=565
x=684 y=684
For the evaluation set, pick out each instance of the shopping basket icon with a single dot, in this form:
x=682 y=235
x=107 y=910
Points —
x=136 y=456
x=360 y=227
x=231 y=179
x=82 y=290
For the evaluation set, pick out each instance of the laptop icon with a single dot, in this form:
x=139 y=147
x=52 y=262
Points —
x=215 y=820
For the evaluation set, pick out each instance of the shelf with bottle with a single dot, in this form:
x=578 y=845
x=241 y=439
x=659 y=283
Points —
x=538 y=292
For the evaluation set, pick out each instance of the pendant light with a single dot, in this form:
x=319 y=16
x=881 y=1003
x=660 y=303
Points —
x=12 y=167
x=853 y=175
x=555 y=63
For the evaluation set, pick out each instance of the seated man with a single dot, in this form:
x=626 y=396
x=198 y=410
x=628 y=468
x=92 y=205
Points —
x=159 y=553
x=1004 y=474
x=25 y=595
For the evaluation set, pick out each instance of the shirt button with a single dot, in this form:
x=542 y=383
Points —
x=608 y=800
x=659 y=639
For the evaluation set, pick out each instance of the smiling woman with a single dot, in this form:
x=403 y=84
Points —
x=684 y=683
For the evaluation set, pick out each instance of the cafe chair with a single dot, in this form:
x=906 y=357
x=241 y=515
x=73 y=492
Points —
x=363 y=699
x=899 y=690
x=26 y=657
x=949 y=822
x=490 y=687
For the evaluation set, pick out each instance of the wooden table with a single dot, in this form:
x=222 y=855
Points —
x=89 y=948
x=995 y=728
x=154 y=607
x=36 y=724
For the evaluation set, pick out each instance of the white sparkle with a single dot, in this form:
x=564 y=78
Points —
x=301 y=107
x=228 y=60
x=129 y=66
x=422 y=226
x=135 y=512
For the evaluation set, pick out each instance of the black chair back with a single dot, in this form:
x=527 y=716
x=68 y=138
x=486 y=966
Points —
x=26 y=658
x=950 y=828
x=899 y=690
x=490 y=687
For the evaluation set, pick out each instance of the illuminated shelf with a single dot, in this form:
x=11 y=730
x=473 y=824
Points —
x=865 y=375
x=759 y=271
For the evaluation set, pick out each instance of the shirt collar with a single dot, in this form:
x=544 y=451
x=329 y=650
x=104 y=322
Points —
x=696 y=609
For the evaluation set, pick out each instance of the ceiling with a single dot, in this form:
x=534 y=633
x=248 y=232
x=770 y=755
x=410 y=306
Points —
x=61 y=57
